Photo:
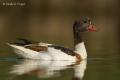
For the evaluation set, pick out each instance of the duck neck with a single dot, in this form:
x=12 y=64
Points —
x=77 y=37
x=79 y=45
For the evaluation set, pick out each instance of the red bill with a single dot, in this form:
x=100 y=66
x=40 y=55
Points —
x=92 y=28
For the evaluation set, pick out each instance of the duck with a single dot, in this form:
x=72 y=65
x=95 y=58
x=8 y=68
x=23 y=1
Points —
x=39 y=50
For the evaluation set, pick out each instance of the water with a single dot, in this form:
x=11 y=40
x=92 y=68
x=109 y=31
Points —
x=15 y=68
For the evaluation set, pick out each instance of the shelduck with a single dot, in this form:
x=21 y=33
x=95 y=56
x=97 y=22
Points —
x=44 y=51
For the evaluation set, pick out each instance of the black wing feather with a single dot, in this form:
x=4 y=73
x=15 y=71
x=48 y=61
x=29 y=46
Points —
x=65 y=50
x=27 y=41
x=23 y=42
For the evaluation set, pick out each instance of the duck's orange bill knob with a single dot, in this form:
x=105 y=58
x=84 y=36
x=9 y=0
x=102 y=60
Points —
x=91 y=28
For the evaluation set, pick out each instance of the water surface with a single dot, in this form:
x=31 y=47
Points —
x=15 y=68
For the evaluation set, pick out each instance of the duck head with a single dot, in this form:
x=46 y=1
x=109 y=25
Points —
x=83 y=24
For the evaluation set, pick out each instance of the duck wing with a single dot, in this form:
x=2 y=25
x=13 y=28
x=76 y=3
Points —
x=63 y=49
x=40 y=50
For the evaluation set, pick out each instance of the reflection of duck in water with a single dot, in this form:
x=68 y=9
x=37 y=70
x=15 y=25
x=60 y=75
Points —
x=79 y=70
x=44 y=51
x=46 y=69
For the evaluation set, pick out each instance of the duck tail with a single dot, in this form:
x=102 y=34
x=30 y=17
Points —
x=21 y=50
x=24 y=52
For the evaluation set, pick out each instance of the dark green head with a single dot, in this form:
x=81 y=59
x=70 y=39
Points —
x=83 y=24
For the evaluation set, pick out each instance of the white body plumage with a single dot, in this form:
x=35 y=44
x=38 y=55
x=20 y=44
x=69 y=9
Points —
x=51 y=53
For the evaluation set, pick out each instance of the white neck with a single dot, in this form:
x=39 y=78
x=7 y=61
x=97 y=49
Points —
x=81 y=50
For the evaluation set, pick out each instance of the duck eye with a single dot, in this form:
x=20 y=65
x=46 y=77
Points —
x=85 y=21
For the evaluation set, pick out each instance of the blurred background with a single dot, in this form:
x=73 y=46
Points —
x=52 y=21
